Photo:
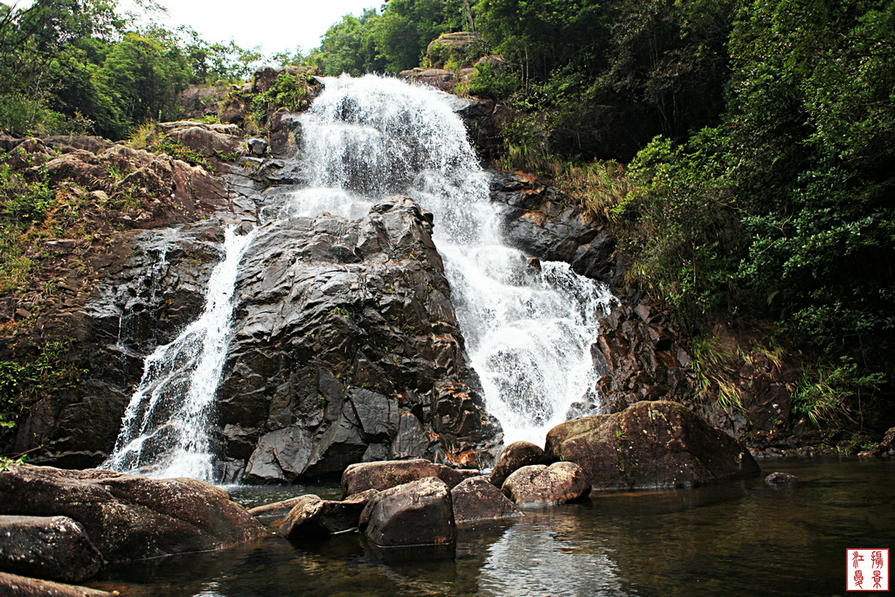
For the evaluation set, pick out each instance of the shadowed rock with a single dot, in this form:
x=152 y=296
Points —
x=477 y=500
x=130 y=518
x=313 y=517
x=652 y=445
x=514 y=457
x=50 y=547
x=781 y=480
x=538 y=484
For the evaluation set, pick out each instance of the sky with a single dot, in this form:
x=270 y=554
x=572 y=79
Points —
x=275 y=25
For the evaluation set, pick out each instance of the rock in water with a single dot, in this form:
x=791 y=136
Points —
x=130 y=518
x=514 y=457
x=415 y=514
x=541 y=485
x=385 y=475
x=651 y=445
x=477 y=500
x=12 y=585
x=50 y=547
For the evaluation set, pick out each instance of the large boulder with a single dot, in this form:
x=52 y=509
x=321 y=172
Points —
x=50 y=547
x=360 y=477
x=207 y=140
x=653 y=445
x=130 y=518
x=419 y=513
x=541 y=485
x=514 y=457
x=343 y=331
x=477 y=500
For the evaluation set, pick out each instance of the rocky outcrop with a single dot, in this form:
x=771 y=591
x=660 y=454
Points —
x=342 y=329
x=542 y=485
x=380 y=476
x=208 y=140
x=542 y=222
x=652 y=445
x=50 y=547
x=416 y=514
x=477 y=500
x=130 y=518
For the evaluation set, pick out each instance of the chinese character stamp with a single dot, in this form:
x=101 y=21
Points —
x=867 y=570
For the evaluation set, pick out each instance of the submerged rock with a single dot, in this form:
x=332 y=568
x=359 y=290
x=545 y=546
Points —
x=651 y=445
x=539 y=484
x=781 y=480
x=130 y=518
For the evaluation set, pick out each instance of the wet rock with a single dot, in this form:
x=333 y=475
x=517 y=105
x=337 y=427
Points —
x=477 y=500
x=53 y=548
x=544 y=223
x=129 y=518
x=781 y=480
x=344 y=328
x=12 y=585
x=418 y=513
x=559 y=434
x=314 y=517
x=514 y=457
x=358 y=478
x=273 y=514
x=538 y=484
x=653 y=445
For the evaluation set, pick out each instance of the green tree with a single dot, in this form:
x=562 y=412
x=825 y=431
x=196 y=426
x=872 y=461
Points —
x=406 y=27
x=349 y=47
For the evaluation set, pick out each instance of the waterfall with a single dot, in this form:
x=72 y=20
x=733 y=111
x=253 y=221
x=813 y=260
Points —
x=528 y=333
x=164 y=432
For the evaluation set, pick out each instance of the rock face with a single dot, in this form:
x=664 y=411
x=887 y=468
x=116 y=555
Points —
x=540 y=221
x=380 y=476
x=541 y=485
x=415 y=514
x=652 y=445
x=514 y=457
x=345 y=333
x=130 y=518
x=50 y=547
x=477 y=500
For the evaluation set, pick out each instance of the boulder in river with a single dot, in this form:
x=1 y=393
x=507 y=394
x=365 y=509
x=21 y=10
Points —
x=13 y=585
x=477 y=500
x=50 y=547
x=314 y=517
x=385 y=475
x=541 y=485
x=651 y=445
x=514 y=457
x=130 y=518
x=415 y=514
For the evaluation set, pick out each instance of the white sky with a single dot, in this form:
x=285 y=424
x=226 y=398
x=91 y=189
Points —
x=275 y=25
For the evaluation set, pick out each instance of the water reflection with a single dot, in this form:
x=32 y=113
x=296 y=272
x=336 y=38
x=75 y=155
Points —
x=735 y=539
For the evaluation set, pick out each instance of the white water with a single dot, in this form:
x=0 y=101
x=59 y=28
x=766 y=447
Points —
x=164 y=431
x=528 y=334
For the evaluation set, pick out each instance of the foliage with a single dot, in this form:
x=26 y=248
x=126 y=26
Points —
x=349 y=47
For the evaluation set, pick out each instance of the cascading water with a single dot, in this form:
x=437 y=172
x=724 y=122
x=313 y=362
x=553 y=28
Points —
x=528 y=333
x=164 y=431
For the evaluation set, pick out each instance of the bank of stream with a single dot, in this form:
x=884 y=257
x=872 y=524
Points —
x=738 y=538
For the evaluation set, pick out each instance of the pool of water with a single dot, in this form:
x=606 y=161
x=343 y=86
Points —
x=739 y=538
